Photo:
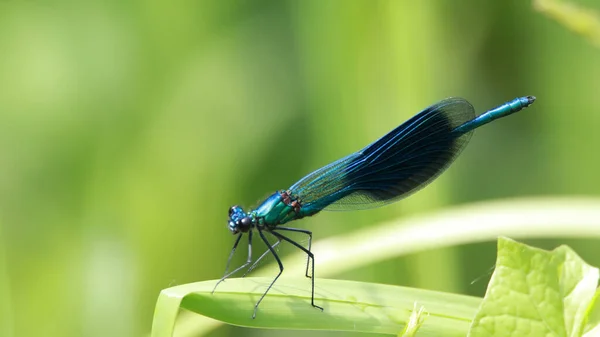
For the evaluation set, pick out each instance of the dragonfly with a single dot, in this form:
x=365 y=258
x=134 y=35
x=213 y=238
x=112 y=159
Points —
x=393 y=167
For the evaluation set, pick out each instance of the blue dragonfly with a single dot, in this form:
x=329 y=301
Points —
x=393 y=167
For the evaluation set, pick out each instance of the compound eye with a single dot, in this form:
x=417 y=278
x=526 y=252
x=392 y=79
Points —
x=245 y=224
x=232 y=227
x=232 y=209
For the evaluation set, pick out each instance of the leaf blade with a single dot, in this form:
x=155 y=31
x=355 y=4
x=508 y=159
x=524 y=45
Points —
x=349 y=306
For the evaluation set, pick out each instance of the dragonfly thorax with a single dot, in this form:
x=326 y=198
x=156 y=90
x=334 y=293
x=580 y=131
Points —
x=239 y=221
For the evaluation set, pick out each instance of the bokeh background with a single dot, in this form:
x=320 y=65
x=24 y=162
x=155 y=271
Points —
x=127 y=130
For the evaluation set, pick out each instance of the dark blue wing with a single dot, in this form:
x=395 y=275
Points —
x=398 y=164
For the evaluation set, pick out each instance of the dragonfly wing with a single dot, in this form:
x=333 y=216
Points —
x=323 y=186
x=393 y=167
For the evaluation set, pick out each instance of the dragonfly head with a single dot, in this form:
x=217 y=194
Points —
x=239 y=221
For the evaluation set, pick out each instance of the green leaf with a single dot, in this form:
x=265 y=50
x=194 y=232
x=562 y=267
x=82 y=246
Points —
x=536 y=293
x=592 y=324
x=348 y=306
x=518 y=218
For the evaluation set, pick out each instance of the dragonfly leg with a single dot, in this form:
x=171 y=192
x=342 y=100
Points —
x=235 y=244
x=231 y=255
x=264 y=238
x=304 y=231
x=261 y=257
x=310 y=255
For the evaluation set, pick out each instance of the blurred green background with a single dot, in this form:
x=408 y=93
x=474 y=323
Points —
x=127 y=130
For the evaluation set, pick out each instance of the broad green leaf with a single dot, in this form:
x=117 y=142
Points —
x=536 y=293
x=592 y=324
x=517 y=218
x=578 y=282
x=348 y=306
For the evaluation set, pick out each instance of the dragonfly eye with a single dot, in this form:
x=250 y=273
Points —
x=232 y=209
x=245 y=224
x=233 y=227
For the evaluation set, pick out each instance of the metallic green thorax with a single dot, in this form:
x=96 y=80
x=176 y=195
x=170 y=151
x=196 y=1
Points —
x=278 y=209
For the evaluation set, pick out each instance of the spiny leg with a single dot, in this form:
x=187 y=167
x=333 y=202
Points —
x=310 y=255
x=309 y=233
x=231 y=255
x=255 y=264
x=276 y=277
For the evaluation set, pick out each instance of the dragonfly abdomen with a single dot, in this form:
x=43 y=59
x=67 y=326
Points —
x=503 y=110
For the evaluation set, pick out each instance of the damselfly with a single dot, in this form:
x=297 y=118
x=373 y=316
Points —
x=396 y=165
